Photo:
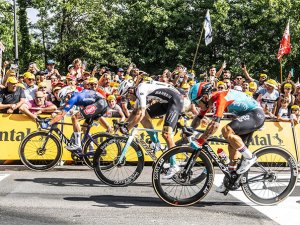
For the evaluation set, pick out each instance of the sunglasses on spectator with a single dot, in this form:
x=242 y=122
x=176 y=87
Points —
x=288 y=88
x=31 y=79
x=239 y=78
x=43 y=87
x=92 y=84
x=220 y=88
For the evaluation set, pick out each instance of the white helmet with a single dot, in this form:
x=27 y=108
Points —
x=64 y=92
x=124 y=86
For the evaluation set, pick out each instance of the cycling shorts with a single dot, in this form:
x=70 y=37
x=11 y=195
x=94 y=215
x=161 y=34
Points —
x=171 y=109
x=245 y=125
x=96 y=109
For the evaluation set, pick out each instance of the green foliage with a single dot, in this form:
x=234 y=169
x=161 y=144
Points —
x=158 y=34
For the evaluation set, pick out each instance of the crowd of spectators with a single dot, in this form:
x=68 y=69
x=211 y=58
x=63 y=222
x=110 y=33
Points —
x=36 y=91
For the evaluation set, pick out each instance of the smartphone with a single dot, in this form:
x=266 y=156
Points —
x=243 y=65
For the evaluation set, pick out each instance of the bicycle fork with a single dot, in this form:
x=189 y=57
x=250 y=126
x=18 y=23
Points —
x=126 y=147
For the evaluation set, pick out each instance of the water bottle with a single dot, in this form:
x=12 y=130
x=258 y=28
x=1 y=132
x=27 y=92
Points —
x=223 y=157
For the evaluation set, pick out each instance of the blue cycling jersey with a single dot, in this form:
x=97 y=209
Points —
x=84 y=98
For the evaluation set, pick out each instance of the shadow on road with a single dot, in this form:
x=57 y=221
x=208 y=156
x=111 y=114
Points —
x=75 y=182
x=129 y=201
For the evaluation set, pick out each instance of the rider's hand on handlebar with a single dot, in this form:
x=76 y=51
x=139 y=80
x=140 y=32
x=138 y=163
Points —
x=124 y=129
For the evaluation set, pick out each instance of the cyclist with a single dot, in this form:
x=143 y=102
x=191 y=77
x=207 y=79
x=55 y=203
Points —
x=154 y=99
x=91 y=103
x=250 y=117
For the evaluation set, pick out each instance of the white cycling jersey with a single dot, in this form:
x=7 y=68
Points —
x=145 y=92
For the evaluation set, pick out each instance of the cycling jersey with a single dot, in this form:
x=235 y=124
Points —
x=268 y=100
x=84 y=98
x=232 y=101
x=146 y=92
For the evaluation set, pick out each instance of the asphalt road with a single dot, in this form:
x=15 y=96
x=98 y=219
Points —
x=74 y=195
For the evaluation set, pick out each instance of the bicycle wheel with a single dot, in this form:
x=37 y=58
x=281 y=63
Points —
x=183 y=189
x=113 y=171
x=34 y=157
x=272 y=178
x=91 y=145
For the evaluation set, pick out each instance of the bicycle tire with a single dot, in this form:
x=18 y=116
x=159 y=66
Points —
x=37 y=159
x=271 y=159
x=203 y=165
x=107 y=164
x=89 y=150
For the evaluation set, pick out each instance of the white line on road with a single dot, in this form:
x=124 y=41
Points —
x=3 y=176
x=286 y=212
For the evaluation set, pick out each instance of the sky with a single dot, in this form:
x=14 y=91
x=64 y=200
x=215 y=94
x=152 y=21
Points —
x=32 y=15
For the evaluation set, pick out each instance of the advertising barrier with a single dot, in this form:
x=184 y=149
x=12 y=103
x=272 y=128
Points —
x=13 y=129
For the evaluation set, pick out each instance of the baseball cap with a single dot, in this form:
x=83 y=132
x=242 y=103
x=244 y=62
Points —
x=93 y=80
x=271 y=83
x=252 y=85
x=29 y=75
x=288 y=85
x=111 y=97
x=12 y=80
x=50 y=62
x=263 y=75
x=295 y=107
x=70 y=66
x=120 y=70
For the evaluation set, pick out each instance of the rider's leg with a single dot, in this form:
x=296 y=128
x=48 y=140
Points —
x=77 y=128
x=146 y=122
x=236 y=144
x=233 y=156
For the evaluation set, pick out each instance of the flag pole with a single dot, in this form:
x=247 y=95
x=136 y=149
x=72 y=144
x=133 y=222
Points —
x=280 y=72
x=195 y=56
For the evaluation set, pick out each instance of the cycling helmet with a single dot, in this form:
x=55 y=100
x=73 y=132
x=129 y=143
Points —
x=64 y=92
x=124 y=86
x=198 y=90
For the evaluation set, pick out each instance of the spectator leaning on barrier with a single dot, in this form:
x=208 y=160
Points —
x=114 y=110
x=268 y=97
x=37 y=106
x=295 y=114
x=11 y=97
x=283 y=112
x=30 y=86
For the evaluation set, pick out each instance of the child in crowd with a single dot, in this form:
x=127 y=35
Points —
x=113 y=109
x=295 y=115
x=283 y=113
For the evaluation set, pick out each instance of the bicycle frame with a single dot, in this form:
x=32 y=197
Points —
x=139 y=141
x=66 y=140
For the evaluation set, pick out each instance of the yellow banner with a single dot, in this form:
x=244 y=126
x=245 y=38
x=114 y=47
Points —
x=15 y=127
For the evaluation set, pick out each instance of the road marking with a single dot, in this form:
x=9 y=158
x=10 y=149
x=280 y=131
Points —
x=285 y=213
x=3 y=176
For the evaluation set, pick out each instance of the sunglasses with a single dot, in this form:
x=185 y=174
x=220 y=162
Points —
x=43 y=87
x=30 y=79
x=239 y=78
x=220 y=88
x=288 y=88
x=92 y=84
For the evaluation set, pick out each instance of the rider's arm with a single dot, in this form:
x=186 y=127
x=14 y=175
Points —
x=58 y=118
x=105 y=124
x=135 y=117
x=210 y=130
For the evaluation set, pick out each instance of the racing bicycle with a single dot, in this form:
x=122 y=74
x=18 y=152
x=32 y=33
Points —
x=42 y=149
x=124 y=160
x=269 y=181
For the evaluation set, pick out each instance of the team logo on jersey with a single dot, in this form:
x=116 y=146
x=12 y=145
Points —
x=90 y=109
